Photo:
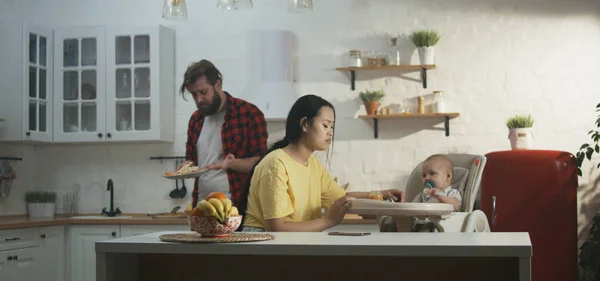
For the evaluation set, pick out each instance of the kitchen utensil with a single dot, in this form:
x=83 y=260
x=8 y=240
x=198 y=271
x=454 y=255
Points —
x=175 y=193
x=7 y=176
x=183 y=190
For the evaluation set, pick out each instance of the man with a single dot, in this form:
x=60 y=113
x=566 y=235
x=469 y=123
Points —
x=227 y=135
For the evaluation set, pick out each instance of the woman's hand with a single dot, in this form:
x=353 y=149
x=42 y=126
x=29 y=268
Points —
x=395 y=194
x=337 y=211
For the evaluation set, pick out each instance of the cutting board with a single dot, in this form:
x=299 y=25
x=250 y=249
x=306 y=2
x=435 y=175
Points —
x=169 y=216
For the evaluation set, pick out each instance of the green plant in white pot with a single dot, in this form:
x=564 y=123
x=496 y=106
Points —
x=425 y=41
x=520 y=131
x=40 y=204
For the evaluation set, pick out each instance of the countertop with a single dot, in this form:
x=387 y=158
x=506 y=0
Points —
x=483 y=244
x=13 y=222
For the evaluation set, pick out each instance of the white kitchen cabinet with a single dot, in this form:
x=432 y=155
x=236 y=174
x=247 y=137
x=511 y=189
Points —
x=51 y=259
x=79 y=84
x=114 y=84
x=140 y=94
x=26 y=82
x=83 y=240
x=20 y=265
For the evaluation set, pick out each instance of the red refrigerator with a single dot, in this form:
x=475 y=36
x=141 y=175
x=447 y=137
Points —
x=535 y=191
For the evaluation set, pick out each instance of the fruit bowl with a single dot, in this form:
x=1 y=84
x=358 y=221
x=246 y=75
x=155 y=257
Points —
x=211 y=227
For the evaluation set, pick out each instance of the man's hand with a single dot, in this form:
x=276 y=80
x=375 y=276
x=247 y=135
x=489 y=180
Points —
x=396 y=194
x=223 y=165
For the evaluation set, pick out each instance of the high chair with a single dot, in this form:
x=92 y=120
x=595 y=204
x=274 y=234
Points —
x=468 y=169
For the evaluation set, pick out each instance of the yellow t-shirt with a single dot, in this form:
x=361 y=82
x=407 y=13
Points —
x=282 y=187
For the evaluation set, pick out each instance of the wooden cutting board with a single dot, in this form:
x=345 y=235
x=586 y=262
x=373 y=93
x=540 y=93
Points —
x=169 y=216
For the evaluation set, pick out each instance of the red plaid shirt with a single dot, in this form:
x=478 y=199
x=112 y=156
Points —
x=244 y=134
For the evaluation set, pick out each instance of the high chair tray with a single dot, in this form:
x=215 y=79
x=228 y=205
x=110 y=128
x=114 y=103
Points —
x=376 y=207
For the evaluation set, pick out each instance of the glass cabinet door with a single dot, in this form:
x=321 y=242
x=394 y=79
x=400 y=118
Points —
x=132 y=83
x=79 y=85
x=79 y=79
x=38 y=112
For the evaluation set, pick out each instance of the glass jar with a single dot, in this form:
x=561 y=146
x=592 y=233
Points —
x=355 y=59
x=376 y=195
x=439 y=106
x=394 y=53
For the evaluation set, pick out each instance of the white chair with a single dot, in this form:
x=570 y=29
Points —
x=468 y=169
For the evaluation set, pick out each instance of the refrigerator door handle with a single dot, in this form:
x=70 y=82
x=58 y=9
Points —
x=493 y=210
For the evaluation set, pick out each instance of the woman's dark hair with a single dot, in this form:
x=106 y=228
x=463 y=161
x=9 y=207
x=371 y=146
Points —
x=308 y=107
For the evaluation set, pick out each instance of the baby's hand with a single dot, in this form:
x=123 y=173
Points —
x=437 y=192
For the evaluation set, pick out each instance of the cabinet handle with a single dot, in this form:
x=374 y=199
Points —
x=16 y=257
x=113 y=234
x=12 y=239
x=108 y=135
x=43 y=236
x=99 y=135
x=493 y=210
x=9 y=258
x=28 y=134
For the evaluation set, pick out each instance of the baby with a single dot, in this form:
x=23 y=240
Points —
x=436 y=174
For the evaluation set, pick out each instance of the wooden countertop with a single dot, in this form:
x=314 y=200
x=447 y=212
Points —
x=22 y=221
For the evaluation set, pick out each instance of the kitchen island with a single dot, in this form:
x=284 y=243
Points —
x=319 y=256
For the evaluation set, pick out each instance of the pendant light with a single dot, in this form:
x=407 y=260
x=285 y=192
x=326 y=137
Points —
x=174 y=10
x=298 y=6
x=234 y=5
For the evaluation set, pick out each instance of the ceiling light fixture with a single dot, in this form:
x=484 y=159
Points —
x=234 y=5
x=298 y=6
x=174 y=10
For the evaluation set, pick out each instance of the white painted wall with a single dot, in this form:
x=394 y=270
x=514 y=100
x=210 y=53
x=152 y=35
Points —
x=495 y=58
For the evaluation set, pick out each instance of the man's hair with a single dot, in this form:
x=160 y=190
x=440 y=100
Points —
x=443 y=158
x=197 y=70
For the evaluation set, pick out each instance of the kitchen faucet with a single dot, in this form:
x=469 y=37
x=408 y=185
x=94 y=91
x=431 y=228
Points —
x=112 y=212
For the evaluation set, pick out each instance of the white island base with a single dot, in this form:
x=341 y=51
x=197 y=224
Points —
x=486 y=256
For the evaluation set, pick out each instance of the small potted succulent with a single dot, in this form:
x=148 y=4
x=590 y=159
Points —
x=371 y=100
x=425 y=41
x=520 y=135
x=40 y=204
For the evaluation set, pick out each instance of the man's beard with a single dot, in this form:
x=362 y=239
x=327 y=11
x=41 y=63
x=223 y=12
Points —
x=211 y=108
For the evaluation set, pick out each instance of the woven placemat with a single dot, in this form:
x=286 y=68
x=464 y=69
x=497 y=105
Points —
x=232 y=238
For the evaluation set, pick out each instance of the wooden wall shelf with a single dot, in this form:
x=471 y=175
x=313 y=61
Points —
x=423 y=68
x=376 y=118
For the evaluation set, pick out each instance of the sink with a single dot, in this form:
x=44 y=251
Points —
x=101 y=217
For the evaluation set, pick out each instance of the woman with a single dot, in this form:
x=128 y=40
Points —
x=289 y=186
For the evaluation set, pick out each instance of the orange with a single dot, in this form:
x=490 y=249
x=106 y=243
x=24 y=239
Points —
x=219 y=195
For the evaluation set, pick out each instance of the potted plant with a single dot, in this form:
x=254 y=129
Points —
x=40 y=204
x=371 y=100
x=425 y=41
x=587 y=149
x=520 y=134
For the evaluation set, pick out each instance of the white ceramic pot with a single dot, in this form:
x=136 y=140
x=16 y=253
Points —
x=40 y=210
x=427 y=55
x=520 y=138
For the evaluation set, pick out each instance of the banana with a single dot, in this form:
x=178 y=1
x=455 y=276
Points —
x=218 y=207
x=226 y=207
x=208 y=209
x=233 y=212
x=188 y=209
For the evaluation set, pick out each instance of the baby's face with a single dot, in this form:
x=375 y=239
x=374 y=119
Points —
x=437 y=172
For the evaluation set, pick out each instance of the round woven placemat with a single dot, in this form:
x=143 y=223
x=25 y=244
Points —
x=232 y=238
